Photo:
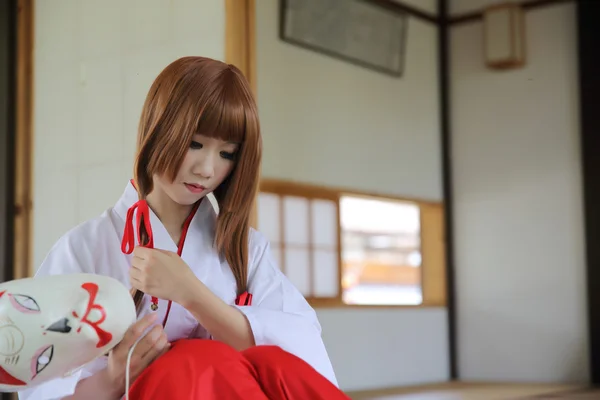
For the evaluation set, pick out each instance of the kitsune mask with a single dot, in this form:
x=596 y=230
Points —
x=52 y=325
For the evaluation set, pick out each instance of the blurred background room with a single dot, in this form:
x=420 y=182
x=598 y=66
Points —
x=429 y=177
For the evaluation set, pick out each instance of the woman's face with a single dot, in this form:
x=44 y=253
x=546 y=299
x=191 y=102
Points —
x=207 y=164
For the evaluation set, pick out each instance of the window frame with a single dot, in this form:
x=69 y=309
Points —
x=433 y=266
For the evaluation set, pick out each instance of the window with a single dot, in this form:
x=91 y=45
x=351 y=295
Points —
x=381 y=251
x=343 y=248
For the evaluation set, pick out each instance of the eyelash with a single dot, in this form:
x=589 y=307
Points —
x=225 y=154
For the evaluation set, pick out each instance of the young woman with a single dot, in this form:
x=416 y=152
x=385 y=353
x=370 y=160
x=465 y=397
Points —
x=216 y=317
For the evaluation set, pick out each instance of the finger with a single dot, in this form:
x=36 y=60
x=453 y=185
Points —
x=141 y=252
x=136 y=274
x=137 y=285
x=165 y=252
x=156 y=352
x=160 y=346
x=149 y=342
x=136 y=330
x=143 y=363
x=164 y=350
x=137 y=260
x=138 y=263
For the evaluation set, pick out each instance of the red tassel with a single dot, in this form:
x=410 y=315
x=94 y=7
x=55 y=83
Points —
x=244 y=299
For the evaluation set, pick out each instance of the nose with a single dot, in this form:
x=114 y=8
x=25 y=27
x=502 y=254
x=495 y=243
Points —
x=61 y=326
x=204 y=166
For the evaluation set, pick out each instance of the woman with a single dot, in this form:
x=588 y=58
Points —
x=195 y=274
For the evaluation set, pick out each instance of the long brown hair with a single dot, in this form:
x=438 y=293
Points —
x=201 y=95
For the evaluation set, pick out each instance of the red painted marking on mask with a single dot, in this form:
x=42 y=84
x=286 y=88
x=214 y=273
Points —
x=104 y=337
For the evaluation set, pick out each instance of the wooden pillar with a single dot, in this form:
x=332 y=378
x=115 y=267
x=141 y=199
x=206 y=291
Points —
x=24 y=142
x=240 y=38
x=240 y=45
x=588 y=42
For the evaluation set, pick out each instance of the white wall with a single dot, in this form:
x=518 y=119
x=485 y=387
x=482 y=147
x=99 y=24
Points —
x=521 y=291
x=429 y=6
x=328 y=122
x=94 y=63
x=459 y=7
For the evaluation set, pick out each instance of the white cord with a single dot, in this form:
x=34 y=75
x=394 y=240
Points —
x=127 y=365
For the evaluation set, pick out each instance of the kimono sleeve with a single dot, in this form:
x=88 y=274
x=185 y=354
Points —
x=69 y=255
x=280 y=315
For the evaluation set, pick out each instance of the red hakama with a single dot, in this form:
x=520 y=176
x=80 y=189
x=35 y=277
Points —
x=195 y=369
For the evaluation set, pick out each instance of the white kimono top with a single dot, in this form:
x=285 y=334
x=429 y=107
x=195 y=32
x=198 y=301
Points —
x=279 y=314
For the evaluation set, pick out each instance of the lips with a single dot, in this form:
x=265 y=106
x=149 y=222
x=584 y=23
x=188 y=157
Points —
x=195 y=188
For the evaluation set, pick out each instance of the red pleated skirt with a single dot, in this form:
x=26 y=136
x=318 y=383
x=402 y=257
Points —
x=197 y=369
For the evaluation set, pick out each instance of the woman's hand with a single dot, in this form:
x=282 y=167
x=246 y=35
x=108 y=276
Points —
x=161 y=273
x=153 y=345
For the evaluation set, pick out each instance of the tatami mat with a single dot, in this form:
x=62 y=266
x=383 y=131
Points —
x=581 y=394
x=481 y=391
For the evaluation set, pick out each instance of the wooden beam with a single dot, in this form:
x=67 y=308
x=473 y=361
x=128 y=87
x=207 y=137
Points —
x=526 y=4
x=402 y=8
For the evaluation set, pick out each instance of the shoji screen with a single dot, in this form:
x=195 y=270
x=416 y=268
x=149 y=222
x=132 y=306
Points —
x=304 y=235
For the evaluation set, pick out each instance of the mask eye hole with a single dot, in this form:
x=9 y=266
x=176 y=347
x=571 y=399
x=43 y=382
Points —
x=24 y=303
x=60 y=326
x=43 y=359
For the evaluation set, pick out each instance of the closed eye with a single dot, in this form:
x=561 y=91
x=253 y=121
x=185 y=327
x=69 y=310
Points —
x=227 y=155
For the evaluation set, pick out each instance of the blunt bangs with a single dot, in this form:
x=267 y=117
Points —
x=223 y=115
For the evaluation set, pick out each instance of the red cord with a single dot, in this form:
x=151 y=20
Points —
x=128 y=242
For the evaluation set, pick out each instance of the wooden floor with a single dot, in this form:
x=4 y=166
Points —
x=481 y=391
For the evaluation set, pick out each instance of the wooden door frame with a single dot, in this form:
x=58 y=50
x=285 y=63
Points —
x=17 y=217
x=23 y=196
x=19 y=198
x=7 y=128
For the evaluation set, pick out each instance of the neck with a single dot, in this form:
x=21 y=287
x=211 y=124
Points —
x=171 y=214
